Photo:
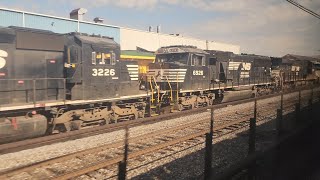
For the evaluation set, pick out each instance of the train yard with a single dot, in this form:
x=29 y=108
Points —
x=82 y=106
x=150 y=145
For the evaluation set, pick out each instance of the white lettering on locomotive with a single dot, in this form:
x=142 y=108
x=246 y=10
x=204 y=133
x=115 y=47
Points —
x=197 y=72
x=295 y=68
x=3 y=54
x=246 y=66
x=103 y=72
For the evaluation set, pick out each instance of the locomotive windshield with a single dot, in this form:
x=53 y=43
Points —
x=317 y=66
x=179 y=58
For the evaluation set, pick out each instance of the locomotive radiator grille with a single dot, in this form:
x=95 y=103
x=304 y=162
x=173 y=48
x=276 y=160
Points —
x=163 y=75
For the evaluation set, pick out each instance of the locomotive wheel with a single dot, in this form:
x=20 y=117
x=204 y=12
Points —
x=194 y=105
x=106 y=120
x=75 y=125
x=132 y=117
x=141 y=114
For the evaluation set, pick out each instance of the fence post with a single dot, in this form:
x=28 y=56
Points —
x=208 y=155
x=252 y=140
x=252 y=130
x=297 y=108
x=123 y=164
x=64 y=90
x=280 y=117
x=299 y=97
x=252 y=136
x=34 y=91
x=255 y=109
x=279 y=122
x=310 y=106
x=252 y=148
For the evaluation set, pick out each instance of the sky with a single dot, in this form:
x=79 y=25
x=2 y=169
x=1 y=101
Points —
x=265 y=27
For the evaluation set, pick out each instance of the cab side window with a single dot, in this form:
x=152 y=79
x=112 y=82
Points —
x=192 y=60
x=197 y=60
x=212 y=61
x=99 y=58
x=94 y=58
x=113 y=58
x=103 y=58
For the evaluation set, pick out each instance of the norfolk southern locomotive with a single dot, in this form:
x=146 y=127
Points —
x=192 y=77
x=56 y=83
x=51 y=83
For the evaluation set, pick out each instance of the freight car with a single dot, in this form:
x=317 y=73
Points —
x=56 y=83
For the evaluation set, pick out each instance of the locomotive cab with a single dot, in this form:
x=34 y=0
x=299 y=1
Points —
x=93 y=69
x=185 y=67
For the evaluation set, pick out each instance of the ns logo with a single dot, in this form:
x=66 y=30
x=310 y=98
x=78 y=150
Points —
x=3 y=54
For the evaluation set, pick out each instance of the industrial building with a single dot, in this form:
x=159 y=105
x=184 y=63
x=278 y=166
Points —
x=129 y=39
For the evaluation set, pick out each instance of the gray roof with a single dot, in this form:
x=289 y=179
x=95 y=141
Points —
x=96 y=40
x=180 y=49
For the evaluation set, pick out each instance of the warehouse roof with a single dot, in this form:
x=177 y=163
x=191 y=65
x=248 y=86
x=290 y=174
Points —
x=134 y=54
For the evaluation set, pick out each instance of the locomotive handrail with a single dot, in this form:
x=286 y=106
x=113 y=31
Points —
x=151 y=87
x=170 y=88
x=157 y=87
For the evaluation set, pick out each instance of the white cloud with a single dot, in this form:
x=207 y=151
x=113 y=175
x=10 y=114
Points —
x=265 y=27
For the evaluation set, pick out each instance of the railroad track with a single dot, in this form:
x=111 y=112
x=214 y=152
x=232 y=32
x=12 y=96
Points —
x=51 y=139
x=114 y=152
x=111 y=154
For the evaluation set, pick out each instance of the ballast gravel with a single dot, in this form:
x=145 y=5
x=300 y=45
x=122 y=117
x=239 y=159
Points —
x=30 y=156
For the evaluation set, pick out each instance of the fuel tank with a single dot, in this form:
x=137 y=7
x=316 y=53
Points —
x=22 y=127
x=236 y=95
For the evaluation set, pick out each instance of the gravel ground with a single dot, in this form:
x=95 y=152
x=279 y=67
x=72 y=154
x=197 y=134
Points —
x=25 y=157
x=227 y=151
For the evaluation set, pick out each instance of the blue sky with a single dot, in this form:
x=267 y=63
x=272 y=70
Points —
x=267 y=27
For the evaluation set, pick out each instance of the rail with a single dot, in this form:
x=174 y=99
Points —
x=147 y=150
x=36 y=142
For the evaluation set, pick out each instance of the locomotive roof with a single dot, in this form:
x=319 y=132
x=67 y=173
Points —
x=253 y=57
x=180 y=49
x=24 y=29
x=96 y=40
x=293 y=57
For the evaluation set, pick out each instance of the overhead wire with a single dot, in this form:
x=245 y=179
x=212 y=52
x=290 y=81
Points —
x=304 y=8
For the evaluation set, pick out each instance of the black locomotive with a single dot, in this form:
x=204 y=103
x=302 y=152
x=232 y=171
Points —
x=192 y=77
x=51 y=83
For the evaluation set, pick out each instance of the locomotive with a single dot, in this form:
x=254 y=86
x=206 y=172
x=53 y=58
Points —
x=196 y=78
x=52 y=83
x=55 y=83
x=191 y=77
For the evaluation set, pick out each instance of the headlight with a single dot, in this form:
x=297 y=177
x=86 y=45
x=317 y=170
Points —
x=142 y=87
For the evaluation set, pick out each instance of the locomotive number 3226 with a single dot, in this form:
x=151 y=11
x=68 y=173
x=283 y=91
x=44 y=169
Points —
x=103 y=72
